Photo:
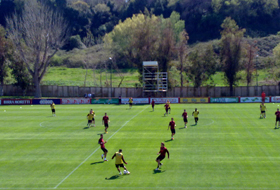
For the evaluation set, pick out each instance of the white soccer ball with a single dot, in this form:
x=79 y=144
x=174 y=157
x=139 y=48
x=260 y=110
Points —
x=126 y=172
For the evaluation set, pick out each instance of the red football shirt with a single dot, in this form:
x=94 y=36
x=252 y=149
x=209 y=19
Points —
x=101 y=145
x=166 y=106
x=172 y=124
x=153 y=103
x=263 y=95
x=163 y=151
x=106 y=119
x=185 y=115
x=277 y=113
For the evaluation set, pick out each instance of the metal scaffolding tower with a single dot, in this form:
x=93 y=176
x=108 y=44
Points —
x=153 y=80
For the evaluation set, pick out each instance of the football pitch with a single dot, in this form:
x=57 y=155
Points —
x=230 y=148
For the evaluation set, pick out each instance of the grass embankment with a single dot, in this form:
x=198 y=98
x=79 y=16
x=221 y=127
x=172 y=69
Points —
x=63 y=76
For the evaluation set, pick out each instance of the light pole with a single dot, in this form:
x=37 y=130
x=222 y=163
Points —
x=111 y=76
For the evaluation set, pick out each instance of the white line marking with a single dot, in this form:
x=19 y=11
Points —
x=209 y=123
x=97 y=149
x=241 y=188
x=42 y=123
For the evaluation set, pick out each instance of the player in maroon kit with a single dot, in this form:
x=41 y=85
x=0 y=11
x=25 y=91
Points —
x=185 y=117
x=166 y=106
x=263 y=96
x=105 y=121
x=162 y=153
x=172 y=126
x=102 y=146
x=153 y=104
x=277 y=113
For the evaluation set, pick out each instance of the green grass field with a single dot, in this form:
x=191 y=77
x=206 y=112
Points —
x=230 y=148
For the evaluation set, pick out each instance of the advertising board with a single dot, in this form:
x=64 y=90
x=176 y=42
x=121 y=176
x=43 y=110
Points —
x=75 y=101
x=193 y=100
x=275 y=99
x=253 y=99
x=45 y=101
x=164 y=100
x=16 y=101
x=224 y=100
x=136 y=100
x=105 y=101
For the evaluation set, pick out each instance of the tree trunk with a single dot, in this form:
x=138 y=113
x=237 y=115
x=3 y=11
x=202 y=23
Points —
x=231 y=89
x=248 y=89
x=37 y=88
x=1 y=88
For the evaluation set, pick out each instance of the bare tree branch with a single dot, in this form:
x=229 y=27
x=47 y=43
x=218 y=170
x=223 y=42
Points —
x=37 y=35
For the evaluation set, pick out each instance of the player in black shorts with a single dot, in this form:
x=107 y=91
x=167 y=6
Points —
x=102 y=146
x=185 y=118
x=277 y=113
x=106 y=121
x=172 y=126
x=162 y=153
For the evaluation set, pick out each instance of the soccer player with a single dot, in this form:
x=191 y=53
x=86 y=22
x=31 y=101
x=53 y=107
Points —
x=90 y=118
x=172 y=126
x=162 y=153
x=277 y=113
x=195 y=114
x=153 y=104
x=130 y=102
x=53 y=108
x=169 y=108
x=185 y=117
x=102 y=146
x=106 y=121
x=263 y=96
x=119 y=162
x=166 y=106
x=263 y=109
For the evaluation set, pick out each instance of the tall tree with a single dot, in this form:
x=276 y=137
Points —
x=37 y=35
x=202 y=65
x=182 y=52
x=231 y=50
x=144 y=37
x=5 y=53
x=20 y=74
x=250 y=55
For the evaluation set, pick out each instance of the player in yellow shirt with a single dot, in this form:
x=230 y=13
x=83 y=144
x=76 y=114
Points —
x=169 y=108
x=53 y=108
x=119 y=162
x=90 y=118
x=130 y=101
x=263 y=109
x=195 y=114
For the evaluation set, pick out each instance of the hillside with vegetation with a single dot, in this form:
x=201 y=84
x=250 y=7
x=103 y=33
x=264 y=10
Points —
x=203 y=42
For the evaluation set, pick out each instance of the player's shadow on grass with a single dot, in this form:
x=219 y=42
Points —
x=182 y=128
x=97 y=162
x=113 y=177
x=194 y=125
x=86 y=127
x=168 y=140
x=158 y=171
